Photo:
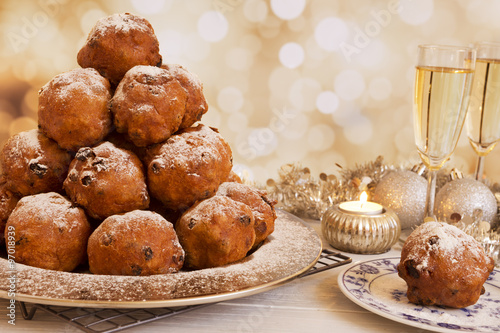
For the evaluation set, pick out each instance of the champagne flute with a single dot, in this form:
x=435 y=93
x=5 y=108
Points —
x=442 y=89
x=483 y=116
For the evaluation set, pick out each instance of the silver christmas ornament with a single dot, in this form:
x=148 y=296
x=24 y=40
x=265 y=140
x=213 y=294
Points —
x=463 y=196
x=404 y=192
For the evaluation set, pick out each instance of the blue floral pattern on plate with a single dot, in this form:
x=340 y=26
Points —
x=376 y=286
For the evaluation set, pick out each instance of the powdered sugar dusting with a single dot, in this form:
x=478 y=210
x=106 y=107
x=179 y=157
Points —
x=180 y=72
x=17 y=145
x=440 y=237
x=122 y=221
x=49 y=206
x=75 y=82
x=188 y=148
x=290 y=249
x=118 y=22
x=110 y=159
x=153 y=71
x=144 y=75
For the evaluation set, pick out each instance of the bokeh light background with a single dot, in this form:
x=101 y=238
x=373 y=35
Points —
x=320 y=82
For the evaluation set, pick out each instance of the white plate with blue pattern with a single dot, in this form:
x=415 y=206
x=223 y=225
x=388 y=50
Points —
x=376 y=286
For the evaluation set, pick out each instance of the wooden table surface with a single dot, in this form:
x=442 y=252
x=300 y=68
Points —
x=310 y=304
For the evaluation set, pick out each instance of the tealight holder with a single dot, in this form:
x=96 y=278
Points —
x=360 y=232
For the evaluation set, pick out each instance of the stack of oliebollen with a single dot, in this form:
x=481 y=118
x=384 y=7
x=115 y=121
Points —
x=120 y=175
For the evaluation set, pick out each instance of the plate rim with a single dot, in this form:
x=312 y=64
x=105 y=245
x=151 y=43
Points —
x=182 y=301
x=174 y=302
x=354 y=299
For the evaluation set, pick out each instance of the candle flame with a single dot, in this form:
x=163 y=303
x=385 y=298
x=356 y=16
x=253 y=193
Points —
x=363 y=197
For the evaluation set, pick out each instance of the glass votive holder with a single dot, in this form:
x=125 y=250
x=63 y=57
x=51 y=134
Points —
x=360 y=233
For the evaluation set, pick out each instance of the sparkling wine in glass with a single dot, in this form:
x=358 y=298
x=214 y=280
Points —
x=442 y=89
x=483 y=116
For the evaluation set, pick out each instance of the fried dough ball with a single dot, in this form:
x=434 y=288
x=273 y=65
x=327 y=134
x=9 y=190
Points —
x=121 y=140
x=8 y=202
x=73 y=108
x=50 y=232
x=215 y=232
x=148 y=105
x=262 y=208
x=135 y=243
x=233 y=177
x=117 y=43
x=442 y=265
x=107 y=180
x=33 y=163
x=187 y=167
x=196 y=105
x=157 y=206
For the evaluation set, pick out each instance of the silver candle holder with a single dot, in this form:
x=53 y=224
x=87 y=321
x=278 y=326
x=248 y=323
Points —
x=360 y=232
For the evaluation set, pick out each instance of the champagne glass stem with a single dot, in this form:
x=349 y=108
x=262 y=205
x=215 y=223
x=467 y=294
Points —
x=431 y=193
x=480 y=168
